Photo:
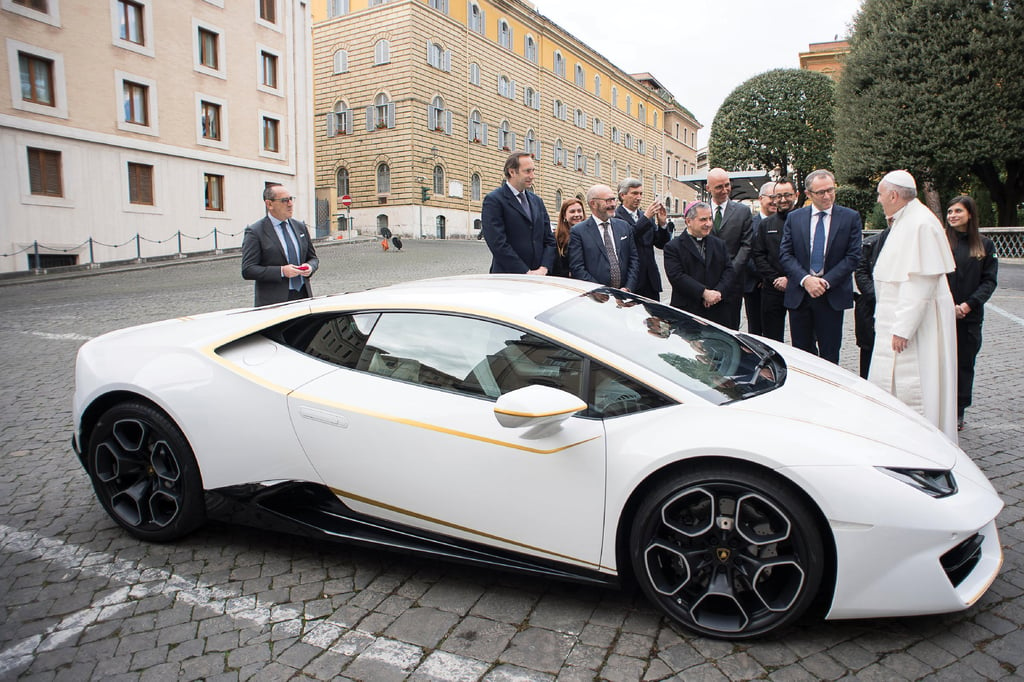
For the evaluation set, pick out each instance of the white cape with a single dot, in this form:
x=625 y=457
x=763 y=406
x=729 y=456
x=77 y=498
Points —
x=913 y=301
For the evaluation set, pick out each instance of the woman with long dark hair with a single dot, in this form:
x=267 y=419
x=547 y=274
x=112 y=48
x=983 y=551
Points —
x=971 y=284
x=571 y=213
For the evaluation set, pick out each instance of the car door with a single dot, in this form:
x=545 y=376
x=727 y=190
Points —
x=409 y=434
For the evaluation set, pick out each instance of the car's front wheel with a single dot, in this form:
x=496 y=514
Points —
x=727 y=552
x=145 y=474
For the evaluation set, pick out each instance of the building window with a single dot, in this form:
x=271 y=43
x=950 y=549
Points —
x=559 y=109
x=476 y=128
x=381 y=52
x=615 y=171
x=438 y=57
x=628 y=141
x=641 y=146
x=474 y=187
x=132 y=27
x=439 y=5
x=209 y=120
x=381 y=114
x=476 y=19
x=383 y=179
x=530 y=48
x=559 y=64
x=597 y=165
x=615 y=96
x=341 y=61
x=598 y=127
x=506 y=87
x=37 y=5
x=505 y=137
x=580 y=119
x=531 y=143
x=504 y=34
x=136 y=103
x=339 y=121
x=336 y=8
x=578 y=76
x=214 y=191
x=271 y=134
x=474 y=73
x=629 y=104
x=45 y=172
x=140 y=183
x=615 y=135
x=558 y=199
x=439 y=181
x=654 y=115
x=342 y=182
x=438 y=118
x=579 y=163
x=559 y=153
x=36 y=79
x=641 y=112
x=268 y=11
x=268 y=69
x=208 y=49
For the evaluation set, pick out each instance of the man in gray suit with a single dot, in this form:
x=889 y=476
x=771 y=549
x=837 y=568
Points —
x=731 y=223
x=601 y=248
x=277 y=251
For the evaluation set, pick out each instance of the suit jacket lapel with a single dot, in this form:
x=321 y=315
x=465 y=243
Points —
x=271 y=230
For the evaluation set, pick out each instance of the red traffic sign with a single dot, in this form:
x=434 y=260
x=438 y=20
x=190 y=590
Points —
x=346 y=201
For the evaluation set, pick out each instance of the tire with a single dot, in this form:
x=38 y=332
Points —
x=144 y=473
x=726 y=552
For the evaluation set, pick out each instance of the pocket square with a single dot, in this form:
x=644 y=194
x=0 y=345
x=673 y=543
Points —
x=623 y=237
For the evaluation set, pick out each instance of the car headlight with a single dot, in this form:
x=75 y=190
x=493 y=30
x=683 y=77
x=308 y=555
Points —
x=932 y=482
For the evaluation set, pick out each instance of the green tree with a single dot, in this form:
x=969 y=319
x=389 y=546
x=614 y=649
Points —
x=779 y=119
x=936 y=87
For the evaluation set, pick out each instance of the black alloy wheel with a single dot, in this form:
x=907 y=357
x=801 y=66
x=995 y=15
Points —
x=726 y=552
x=144 y=473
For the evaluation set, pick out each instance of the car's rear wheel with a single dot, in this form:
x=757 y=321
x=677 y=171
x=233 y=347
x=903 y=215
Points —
x=145 y=474
x=727 y=552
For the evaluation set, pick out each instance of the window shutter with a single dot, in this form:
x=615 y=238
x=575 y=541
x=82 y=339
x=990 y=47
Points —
x=483 y=22
x=428 y=54
x=469 y=129
x=483 y=134
x=537 y=154
x=431 y=117
x=512 y=141
x=369 y=118
x=448 y=122
x=348 y=121
x=332 y=125
x=391 y=114
x=446 y=61
x=512 y=90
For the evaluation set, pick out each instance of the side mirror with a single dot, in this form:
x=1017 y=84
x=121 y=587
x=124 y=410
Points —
x=536 y=406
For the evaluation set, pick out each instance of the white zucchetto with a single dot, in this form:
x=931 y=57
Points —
x=900 y=178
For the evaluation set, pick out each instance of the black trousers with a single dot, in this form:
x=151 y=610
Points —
x=773 y=313
x=752 y=304
x=817 y=328
x=729 y=311
x=968 y=343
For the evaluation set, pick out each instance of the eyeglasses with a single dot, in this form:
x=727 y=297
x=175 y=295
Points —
x=783 y=195
x=822 y=192
x=284 y=200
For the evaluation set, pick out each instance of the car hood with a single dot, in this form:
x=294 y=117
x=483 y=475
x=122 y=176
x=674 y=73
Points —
x=824 y=395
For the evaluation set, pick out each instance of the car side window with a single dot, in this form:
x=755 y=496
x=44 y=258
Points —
x=338 y=339
x=612 y=394
x=467 y=355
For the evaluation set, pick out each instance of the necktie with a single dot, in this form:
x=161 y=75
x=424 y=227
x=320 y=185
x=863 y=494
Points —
x=718 y=219
x=818 y=248
x=525 y=201
x=295 y=283
x=613 y=260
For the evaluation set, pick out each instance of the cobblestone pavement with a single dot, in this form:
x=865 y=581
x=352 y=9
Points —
x=80 y=599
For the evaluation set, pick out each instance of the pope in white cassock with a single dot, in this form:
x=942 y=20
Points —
x=915 y=324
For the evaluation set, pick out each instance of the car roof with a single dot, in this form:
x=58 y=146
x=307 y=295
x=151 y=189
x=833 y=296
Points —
x=495 y=295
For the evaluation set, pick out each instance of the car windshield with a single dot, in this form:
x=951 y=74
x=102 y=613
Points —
x=715 y=364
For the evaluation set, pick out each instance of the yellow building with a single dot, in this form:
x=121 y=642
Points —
x=826 y=58
x=418 y=103
x=139 y=117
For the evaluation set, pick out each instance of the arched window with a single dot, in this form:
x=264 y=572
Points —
x=615 y=171
x=503 y=86
x=342 y=181
x=439 y=224
x=530 y=49
x=475 y=127
x=559 y=152
x=439 y=180
x=476 y=19
x=531 y=143
x=504 y=137
x=597 y=84
x=381 y=114
x=615 y=96
x=382 y=52
x=474 y=187
x=579 y=163
x=504 y=34
x=615 y=135
x=341 y=61
x=558 y=199
x=629 y=141
x=558 y=64
x=342 y=120
x=598 y=127
x=580 y=119
x=383 y=179
x=382 y=222
x=629 y=104
x=597 y=165
x=641 y=112
x=578 y=76
x=437 y=118
x=474 y=73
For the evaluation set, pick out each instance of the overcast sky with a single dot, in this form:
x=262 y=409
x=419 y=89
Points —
x=701 y=51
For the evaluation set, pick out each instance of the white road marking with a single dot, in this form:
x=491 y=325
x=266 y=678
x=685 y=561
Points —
x=1005 y=313
x=60 y=337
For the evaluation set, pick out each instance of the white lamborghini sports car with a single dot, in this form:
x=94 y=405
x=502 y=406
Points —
x=548 y=426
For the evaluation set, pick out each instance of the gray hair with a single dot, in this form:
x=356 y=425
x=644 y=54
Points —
x=904 y=193
x=268 y=191
x=766 y=189
x=814 y=175
x=628 y=184
x=692 y=209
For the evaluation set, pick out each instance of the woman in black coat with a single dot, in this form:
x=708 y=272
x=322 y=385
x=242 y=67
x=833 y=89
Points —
x=971 y=284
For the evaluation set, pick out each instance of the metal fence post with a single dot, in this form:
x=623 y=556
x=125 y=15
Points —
x=92 y=256
x=138 y=247
x=35 y=249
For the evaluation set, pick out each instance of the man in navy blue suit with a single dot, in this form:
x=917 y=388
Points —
x=516 y=225
x=820 y=250
x=601 y=248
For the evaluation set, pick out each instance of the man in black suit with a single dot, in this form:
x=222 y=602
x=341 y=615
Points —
x=650 y=230
x=765 y=254
x=820 y=249
x=601 y=248
x=731 y=223
x=516 y=225
x=864 y=298
x=698 y=266
x=277 y=251
x=752 y=281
